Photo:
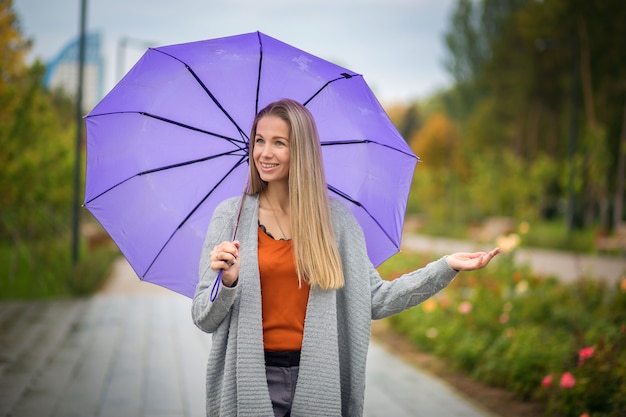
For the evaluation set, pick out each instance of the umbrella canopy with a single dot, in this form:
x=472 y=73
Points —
x=170 y=142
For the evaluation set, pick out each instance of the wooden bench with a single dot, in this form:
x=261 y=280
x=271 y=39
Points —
x=493 y=227
x=613 y=242
x=95 y=236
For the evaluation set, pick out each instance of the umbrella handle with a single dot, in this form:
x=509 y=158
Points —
x=216 y=286
x=218 y=280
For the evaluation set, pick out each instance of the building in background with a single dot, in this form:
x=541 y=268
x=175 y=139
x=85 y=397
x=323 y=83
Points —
x=62 y=71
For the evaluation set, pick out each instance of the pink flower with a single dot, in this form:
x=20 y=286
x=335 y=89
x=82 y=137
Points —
x=584 y=415
x=584 y=354
x=567 y=380
x=546 y=381
x=465 y=307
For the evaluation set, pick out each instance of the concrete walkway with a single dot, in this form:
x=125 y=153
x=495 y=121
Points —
x=565 y=266
x=132 y=351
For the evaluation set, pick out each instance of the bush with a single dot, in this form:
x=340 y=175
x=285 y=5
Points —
x=509 y=328
x=89 y=274
x=44 y=270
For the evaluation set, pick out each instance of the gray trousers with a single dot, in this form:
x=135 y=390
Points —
x=282 y=384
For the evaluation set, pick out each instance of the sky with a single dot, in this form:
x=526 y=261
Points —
x=396 y=44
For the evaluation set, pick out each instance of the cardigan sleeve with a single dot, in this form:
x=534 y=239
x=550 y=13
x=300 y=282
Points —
x=387 y=297
x=207 y=314
x=409 y=290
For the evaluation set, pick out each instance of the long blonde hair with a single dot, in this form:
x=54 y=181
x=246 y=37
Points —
x=314 y=245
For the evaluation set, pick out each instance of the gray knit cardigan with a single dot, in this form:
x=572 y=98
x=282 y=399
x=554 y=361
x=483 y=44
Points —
x=331 y=379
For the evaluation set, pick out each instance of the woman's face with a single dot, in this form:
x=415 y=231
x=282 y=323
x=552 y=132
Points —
x=271 y=151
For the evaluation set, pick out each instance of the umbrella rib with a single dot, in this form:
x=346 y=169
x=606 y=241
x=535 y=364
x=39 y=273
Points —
x=366 y=141
x=344 y=76
x=166 y=120
x=195 y=161
x=258 y=77
x=358 y=204
x=197 y=129
x=235 y=166
x=206 y=90
x=164 y=168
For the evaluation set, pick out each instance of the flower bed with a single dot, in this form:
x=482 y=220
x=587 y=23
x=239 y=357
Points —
x=562 y=345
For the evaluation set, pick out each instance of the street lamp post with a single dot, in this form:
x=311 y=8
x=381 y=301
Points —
x=79 y=132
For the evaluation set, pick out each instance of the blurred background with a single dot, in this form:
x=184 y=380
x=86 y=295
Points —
x=516 y=108
x=396 y=44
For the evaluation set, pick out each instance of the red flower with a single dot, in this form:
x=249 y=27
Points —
x=465 y=307
x=584 y=415
x=584 y=354
x=546 y=381
x=567 y=380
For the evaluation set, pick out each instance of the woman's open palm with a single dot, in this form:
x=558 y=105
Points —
x=464 y=261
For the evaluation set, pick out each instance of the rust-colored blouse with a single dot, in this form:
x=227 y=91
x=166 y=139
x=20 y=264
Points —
x=283 y=302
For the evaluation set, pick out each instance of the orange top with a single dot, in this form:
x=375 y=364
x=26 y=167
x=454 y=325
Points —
x=283 y=303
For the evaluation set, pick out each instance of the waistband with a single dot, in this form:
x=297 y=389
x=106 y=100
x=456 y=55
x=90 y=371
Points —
x=282 y=359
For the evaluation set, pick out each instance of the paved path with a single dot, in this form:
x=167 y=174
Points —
x=132 y=351
x=562 y=265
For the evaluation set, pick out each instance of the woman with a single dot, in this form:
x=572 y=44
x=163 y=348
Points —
x=299 y=255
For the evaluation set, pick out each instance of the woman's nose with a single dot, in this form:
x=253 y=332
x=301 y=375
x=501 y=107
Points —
x=266 y=151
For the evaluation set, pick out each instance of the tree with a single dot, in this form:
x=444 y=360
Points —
x=411 y=122
x=436 y=142
x=434 y=190
x=545 y=78
x=13 y=47
x=35 y=138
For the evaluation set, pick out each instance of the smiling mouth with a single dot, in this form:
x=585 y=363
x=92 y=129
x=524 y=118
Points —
x=268 y=166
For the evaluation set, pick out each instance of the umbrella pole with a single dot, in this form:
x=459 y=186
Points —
x=218 y=280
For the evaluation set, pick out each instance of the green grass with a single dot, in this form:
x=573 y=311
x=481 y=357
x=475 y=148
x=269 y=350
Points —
x=553 y=235
x=45 y=270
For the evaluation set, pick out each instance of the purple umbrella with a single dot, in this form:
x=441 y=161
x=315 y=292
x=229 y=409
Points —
x=170 y=142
